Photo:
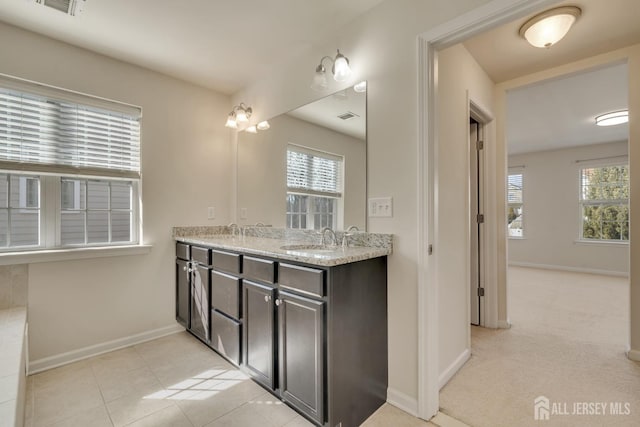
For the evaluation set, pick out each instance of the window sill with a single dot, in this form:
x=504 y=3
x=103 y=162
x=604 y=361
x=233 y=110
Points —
x=602 y=242
x=516 y=238
x=50 y=255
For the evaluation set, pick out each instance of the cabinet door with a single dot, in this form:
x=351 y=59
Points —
x=259 y=337
x=182 y=292
x=200 y=311
x=302 y=353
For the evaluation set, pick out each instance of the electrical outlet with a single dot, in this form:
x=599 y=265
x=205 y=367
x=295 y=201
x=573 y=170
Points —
x=211 y=212
x=243 y=213
x=381 y=207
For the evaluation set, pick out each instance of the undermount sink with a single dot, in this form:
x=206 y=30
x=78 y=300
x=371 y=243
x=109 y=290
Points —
x=308 y=248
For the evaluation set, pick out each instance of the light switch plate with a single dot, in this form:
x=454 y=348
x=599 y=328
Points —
x=243 y=213
x=381 y=207
x=211 y=212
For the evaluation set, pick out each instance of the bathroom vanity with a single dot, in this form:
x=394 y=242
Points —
x=307 y=323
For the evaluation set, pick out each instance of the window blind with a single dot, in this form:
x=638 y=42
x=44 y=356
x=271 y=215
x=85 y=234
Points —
x=315 y=172
x=514 y=188
x=45 y=134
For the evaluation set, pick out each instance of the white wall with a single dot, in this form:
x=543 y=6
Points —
x=185 y=168
x=382 y=48
x=461 y=79
x=262 y=169
x=552 y=213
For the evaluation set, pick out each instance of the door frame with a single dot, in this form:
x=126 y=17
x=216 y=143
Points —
x=490 y=15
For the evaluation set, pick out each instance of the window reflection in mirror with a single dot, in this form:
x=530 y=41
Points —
x=308 y=171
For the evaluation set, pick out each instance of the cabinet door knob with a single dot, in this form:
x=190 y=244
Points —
x=184 y=268
x=278 y=301
x=267 y=298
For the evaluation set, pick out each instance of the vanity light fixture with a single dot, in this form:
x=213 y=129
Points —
x=239 y=114
x=549 y=27
x=264 y=125
x=340 y=70
x=613 y=118
x=360 y=87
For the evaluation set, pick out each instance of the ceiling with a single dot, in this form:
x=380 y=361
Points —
x=222 y=45
x=560 y=113
x=324 y=112
x=605 y=25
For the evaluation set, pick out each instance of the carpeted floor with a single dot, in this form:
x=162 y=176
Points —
x=567 y=343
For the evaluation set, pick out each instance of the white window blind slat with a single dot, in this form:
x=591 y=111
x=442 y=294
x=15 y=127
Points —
x=514 y=188
x=312 y=171
x=45 y=134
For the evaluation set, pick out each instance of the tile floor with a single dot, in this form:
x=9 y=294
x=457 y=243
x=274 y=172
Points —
x=172 y=381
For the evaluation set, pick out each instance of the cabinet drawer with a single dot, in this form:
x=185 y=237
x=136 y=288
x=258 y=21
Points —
x=225 y=336
x=182 y=251
x=302 y=279
x=201 y=255
x=227 y=261
x=225 y=294
x=259 y=269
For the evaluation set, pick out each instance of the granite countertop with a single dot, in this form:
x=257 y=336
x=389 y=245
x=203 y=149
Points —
x=271 y=246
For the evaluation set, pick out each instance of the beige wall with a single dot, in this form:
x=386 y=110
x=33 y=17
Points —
x=262 y=169
x=552 y=212
x=382 y=49
x=632 y=56
x=461 y=79
x=185 y=168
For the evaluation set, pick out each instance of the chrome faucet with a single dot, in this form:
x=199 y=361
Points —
x=333 y=236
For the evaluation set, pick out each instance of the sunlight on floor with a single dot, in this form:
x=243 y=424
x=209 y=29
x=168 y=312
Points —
x=201 y=386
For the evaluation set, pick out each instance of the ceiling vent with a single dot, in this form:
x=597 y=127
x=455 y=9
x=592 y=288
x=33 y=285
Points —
x=348 y=115
x=70 y=7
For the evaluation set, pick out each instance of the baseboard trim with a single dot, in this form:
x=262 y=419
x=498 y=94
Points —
x=571 y=269
x=50 y=362
x=448 y=373
x=504 y=324
x=634 y=355
x=402 y=401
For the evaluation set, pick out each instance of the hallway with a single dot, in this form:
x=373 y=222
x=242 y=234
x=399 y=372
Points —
x=567 y=342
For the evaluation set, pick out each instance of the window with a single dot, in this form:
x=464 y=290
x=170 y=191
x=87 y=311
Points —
x=314 y=188
x=515 y=204
x=19 y=210
x=604 y=203
x=69 y=168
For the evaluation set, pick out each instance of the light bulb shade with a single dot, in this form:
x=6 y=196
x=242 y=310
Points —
x=341 y=69
x=252 y=129
x=241 y=116
x=264 y=125
x=613 y=118
x=360 y=87
x=231 y=122
x=319 y=81
x=548 y=28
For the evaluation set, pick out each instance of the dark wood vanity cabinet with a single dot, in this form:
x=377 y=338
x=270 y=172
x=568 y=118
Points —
x=183 y=284
x=314 y=336
x=259 y=338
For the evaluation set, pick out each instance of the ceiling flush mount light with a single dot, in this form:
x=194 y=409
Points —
x=239 y=114
x=613 y=118
x=340 y=70
x=549 y=27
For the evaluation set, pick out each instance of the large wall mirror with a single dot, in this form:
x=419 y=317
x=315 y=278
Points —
x=309 y=170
